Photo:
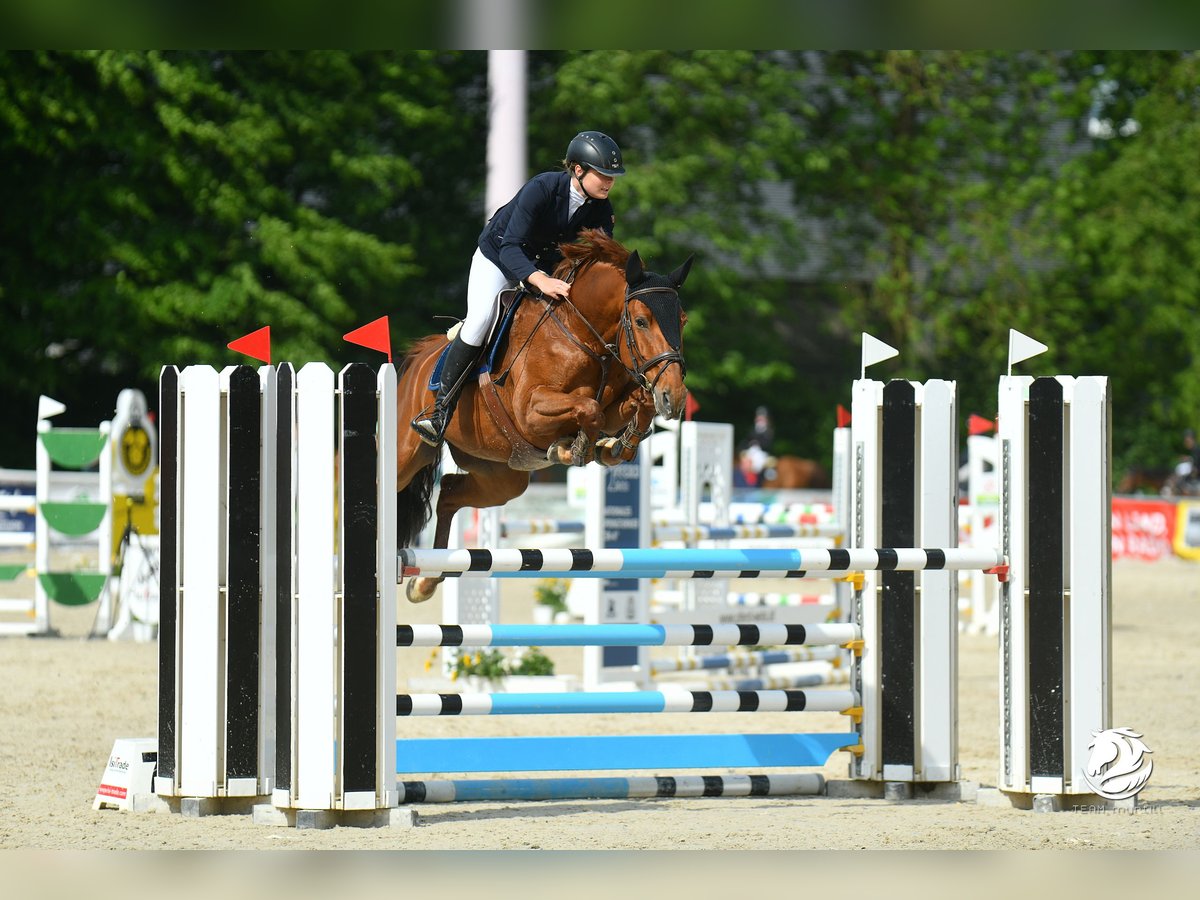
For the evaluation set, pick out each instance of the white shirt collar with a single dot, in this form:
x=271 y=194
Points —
x=576 y=198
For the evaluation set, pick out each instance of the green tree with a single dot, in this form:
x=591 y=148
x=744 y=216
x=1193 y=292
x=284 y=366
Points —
x=169 y=202
x=1097 y=256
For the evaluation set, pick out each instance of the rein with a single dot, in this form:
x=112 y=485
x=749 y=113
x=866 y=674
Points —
x=630 y=436
x=612 y=351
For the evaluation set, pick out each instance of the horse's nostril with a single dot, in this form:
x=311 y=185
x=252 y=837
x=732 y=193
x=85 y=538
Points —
x=666 y=408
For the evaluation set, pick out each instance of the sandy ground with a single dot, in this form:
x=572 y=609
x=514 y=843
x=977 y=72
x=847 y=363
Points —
x=66 y=699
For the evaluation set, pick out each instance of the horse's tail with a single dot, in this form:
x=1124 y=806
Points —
x=413 y=506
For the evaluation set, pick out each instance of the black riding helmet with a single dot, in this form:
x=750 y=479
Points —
x=594 y=150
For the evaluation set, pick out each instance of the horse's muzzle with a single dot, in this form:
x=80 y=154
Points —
x=667 y=405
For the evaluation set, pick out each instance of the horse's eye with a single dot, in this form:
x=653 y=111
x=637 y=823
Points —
x=641 y=322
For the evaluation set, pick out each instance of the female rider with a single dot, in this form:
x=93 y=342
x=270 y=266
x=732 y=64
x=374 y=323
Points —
x=520 y=244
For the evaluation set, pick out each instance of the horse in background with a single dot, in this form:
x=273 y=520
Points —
x=782 y=472
x=1142 y=480
x=795 y=473
x=570 y=381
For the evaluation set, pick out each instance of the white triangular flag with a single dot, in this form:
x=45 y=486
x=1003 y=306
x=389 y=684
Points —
x=48 y=406
x=1022 y=347
x=875 y=351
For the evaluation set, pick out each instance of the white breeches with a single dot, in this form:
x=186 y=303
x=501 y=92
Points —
x=485 y=283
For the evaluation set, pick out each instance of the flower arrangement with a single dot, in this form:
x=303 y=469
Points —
x=552 y=593
x=492 y=665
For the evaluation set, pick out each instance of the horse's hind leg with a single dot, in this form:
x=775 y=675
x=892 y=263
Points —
x=487 y=484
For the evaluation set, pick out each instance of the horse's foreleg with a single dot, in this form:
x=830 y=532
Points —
x=576 y=451
x=550 y=413
x=638 y=412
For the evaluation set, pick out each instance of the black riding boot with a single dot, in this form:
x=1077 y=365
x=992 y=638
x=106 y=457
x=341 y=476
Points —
x=459 y=362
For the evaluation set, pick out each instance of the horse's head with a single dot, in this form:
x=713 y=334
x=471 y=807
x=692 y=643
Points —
x=652 y=324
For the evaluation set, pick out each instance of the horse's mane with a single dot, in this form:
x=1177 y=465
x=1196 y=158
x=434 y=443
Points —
x=593 y=245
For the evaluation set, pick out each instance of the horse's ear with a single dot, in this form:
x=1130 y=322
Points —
x=679 y=276
x=634 y=270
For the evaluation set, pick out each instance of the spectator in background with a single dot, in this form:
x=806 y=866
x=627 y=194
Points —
x=1189 y=467
x=1185 y=480
x=754 y=456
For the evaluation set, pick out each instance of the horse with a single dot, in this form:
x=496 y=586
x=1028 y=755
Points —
x=1144 y=480
x=782 y=472
x=795 y=472
x=570 y=381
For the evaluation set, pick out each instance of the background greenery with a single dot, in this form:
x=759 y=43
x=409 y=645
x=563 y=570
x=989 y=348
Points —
x=160 y=204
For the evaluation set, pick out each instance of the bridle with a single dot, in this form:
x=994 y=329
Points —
x=674 y=356
x=612 y=351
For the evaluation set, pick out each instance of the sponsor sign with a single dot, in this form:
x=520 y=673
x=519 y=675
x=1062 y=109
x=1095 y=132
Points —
x=1143 y=529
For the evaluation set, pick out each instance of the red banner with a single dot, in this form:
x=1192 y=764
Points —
x=1142 y=529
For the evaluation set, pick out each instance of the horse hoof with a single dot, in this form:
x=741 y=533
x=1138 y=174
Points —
x=417 y=593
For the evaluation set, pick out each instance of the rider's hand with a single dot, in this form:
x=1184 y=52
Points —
x=549 y=286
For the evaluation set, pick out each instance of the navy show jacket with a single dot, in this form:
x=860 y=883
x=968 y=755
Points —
x=523 y=234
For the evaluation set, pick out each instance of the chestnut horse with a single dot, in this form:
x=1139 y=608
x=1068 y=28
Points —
x=796 y=472
x=574 y=381
x=783 y=472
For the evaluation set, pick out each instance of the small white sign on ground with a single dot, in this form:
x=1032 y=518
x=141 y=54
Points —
x=129 y=773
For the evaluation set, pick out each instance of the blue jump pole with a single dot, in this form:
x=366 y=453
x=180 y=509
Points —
x=600 y=753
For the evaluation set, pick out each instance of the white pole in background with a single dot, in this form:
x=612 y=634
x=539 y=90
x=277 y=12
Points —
x=506 y=145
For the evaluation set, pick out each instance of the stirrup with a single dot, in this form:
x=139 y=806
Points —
x=428 y=431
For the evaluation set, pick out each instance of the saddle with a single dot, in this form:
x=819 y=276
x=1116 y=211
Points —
x=525 y=456
x=510 y=299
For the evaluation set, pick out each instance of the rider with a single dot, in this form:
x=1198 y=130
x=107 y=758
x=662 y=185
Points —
x=1189 y=465
x=520 y=244
x=756 y=449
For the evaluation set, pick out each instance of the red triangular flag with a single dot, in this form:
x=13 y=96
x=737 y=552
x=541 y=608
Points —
x=374 y=335
x=690 y=407
x=256 y=344
x=843 y=416
x=979 y=425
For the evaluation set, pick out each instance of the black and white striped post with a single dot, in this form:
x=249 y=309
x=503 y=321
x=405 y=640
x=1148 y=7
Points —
x=337 y=600
x=216 y=691
x=1055 y=638
x=905 y=472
